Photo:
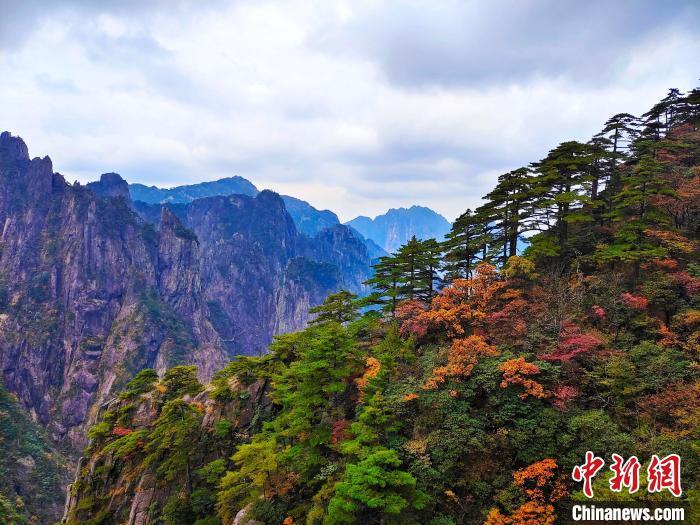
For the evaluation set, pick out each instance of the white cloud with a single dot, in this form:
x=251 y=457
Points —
x=305 y=98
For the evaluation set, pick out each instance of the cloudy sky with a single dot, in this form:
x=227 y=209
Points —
x=354 y=105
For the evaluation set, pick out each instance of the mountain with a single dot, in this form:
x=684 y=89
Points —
x=190 y=192
x=308 y=219
x=394 y=228
x=95 y=287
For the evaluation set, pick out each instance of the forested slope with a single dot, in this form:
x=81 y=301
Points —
x=461 y=401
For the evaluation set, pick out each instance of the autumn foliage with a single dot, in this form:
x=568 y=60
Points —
x=538 y=484
x=572 y=343
x=634 y=302
x=517 y=372
x=372 y=369
x=462 y=357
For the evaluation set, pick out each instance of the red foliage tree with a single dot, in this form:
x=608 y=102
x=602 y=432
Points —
x=634 y=302
x=572 y=342
x=690 y=284
x=411 y=319
x=562 y=395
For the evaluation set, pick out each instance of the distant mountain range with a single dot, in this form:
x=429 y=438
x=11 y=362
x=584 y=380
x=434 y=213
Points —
x=395 y=227
x=190 y=192
x=307 y=219
x=383 y=234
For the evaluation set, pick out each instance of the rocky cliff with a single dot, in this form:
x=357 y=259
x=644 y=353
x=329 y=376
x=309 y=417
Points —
x=161 y=447
x=91 y=292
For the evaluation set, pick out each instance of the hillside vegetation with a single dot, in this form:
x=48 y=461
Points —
x=479 y=379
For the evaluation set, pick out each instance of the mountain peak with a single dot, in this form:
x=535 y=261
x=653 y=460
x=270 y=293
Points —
x=110 y=185
x=189 y=192
x=395 y=227
x=13 y=148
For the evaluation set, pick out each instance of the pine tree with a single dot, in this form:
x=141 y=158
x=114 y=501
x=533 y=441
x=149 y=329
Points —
x=172 y=441
x=410 y=259
x=690 y=110
x=620 y=131
x=562 y=186
x=340 y=307
x=505 y=210
x=428 y=277
x=385 y=283
x=411 y=273
x=634 y=210
x=181 y=380
x=664 y=114
x=462 y=246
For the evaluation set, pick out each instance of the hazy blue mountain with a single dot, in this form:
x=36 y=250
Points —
x=373 y=249
x=397 y=226
x=308 y=219
x=190 y=192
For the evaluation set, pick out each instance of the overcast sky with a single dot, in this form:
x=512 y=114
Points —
x=354 y=105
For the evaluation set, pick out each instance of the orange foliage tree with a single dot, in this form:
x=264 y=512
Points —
x=461 y=359
x=372 y=369
x=462 y=308
x=517 y=372
x=539 y=485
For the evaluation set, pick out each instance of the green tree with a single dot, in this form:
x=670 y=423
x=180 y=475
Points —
x=385 y=284
x=311 y=393
x=506 y=210
x=375 y=490
x=410 y=259
x=561 y=188
x=463 y=246
x=9 y=514
x=340 y=307
x=430 y=259
x=172 y=441
x=635 y=212
x=181 y=380
x=142 y=382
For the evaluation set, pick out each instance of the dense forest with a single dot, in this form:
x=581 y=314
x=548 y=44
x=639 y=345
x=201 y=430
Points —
x=472 y=380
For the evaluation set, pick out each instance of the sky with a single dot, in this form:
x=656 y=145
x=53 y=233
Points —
x=353 y=105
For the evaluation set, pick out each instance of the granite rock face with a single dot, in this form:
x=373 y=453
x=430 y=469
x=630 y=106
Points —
x=259 y=274
x=91 y=291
